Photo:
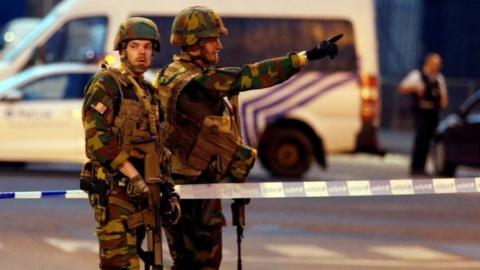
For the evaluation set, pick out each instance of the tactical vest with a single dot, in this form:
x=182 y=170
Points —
x=432 y=92
x=198 y=142
x=135 y=119
x=135 y=126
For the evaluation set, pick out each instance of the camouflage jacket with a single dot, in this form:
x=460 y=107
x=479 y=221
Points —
x=228 y=81
x=104 y=94
x=209 y=85
x=197 y=92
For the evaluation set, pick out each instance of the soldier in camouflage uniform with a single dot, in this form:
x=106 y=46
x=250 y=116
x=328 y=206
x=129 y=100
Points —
x=120 y=111
x=203 y=130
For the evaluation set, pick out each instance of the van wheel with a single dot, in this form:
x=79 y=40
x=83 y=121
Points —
x=286 y=152
x=443 y=167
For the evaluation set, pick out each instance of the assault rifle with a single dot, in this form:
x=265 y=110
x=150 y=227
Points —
x=159 y=211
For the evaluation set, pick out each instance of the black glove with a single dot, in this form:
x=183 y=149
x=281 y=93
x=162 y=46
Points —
x=326 y=47
x=176 y=212
x=171 y=210
x=137 y=189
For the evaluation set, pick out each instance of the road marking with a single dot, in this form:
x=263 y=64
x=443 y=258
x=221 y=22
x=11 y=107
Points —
x=390 y=264
x=392 y=159
x=413 y=253
x=410 y=257
x=302 y=251
x=72 y=245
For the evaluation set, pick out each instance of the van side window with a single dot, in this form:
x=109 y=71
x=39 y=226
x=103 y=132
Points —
x=254 y=39
x=56 y=87
x=79 y=40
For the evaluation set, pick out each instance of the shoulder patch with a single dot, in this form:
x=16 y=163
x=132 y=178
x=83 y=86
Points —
x=99 y=107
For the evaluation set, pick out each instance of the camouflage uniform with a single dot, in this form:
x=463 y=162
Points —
x=192 y=94
x=114 y=115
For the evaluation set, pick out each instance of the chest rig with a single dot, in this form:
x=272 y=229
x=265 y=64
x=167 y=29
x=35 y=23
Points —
x=137 y=112
x=135 y=126
x=198 y=138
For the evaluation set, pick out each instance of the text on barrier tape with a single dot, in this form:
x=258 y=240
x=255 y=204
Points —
x=294 y=189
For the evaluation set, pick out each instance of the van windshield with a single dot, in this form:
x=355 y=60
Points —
x=16 y=30
x=77 y=40
x=30 y=38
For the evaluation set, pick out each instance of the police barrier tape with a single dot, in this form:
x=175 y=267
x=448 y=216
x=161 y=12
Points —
x=295 y=189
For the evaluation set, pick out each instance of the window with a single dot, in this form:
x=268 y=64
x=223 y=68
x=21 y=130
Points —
x=254 y=39
x=31 y=37
x=56 y=87
x=79 y=40
x=251 y=40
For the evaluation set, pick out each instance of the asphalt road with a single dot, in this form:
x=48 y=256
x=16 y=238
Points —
x=401 y=232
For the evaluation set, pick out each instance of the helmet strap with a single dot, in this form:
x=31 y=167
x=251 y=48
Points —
x=196 y=53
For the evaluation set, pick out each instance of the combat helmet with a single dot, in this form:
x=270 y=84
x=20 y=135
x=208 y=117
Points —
x=137 y=28
x=195 y=23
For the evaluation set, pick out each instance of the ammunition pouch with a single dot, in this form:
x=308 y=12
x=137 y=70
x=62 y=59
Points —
x=184 y=138
x=214 y=141
x=89 y=183
x=242 y=163
x=97 y=189
x=99 y=205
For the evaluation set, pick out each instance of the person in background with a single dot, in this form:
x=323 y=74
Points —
x=429 y=93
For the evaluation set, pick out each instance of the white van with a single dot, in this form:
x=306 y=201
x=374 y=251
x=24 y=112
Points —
x=331 y=106
x=40 y=114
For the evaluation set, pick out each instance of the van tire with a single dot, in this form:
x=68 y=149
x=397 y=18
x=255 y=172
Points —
x=286 y=152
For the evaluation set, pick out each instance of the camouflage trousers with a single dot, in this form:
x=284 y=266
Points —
x=117 y=243
x=195 y=242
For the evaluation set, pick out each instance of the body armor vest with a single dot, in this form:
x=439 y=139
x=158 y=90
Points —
x=198 y=136
x=136 y=119
x=133 y=121
x=432 y=92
